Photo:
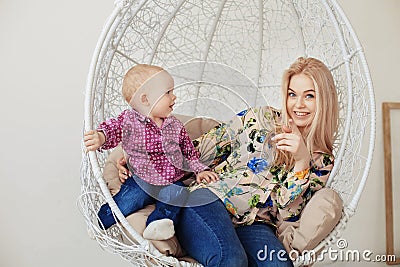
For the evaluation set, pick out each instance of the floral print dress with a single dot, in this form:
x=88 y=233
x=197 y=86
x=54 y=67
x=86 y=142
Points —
x=250 y=186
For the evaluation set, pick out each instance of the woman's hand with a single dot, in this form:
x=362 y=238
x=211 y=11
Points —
x=206 y=176
x=123 y=172
x=291 y=140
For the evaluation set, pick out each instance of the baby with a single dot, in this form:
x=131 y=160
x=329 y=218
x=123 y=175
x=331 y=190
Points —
x=159 y=151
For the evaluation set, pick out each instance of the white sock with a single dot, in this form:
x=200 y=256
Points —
x=159 y=230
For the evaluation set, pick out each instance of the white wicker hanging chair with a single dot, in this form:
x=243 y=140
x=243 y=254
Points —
x=227 y=55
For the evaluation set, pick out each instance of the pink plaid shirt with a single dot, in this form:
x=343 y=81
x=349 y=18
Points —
x=159 y=156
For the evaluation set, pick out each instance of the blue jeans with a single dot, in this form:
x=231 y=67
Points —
x=135 y=194
x=207 y=234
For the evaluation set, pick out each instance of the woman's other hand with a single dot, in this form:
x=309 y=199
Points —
x=206 y=177
x=123 y=172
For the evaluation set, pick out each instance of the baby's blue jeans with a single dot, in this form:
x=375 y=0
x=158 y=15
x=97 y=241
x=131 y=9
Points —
x=135 y=194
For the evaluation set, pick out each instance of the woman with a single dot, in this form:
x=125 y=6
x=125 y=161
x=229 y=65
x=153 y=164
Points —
x=260 y=194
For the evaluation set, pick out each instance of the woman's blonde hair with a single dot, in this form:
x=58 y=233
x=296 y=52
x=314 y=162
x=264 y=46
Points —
x=320 y=135
x=136 y=77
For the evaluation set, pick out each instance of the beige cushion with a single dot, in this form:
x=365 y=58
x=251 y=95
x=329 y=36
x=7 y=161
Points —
x=318 y=219
x=138 y=222
x=195 y=127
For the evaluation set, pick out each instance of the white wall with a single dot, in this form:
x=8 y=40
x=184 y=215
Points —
x=45 y=52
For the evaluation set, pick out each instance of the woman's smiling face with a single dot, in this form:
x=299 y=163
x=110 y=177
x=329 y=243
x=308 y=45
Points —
x=301 y=100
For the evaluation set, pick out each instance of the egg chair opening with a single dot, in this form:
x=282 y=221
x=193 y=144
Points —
x=225 y=56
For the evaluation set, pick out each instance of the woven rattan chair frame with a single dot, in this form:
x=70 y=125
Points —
x=249 y=43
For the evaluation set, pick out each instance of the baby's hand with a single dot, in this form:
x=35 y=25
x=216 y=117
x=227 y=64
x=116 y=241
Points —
x=94 y=139
x=206 y=177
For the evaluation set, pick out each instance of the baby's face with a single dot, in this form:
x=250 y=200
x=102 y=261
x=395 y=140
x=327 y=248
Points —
x=159 y=91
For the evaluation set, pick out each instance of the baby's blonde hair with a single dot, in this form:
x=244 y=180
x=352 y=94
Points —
x=136 y=77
